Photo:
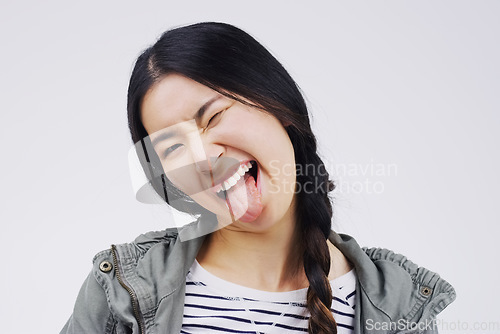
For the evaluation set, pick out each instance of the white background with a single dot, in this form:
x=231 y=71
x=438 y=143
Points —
x=410 y=84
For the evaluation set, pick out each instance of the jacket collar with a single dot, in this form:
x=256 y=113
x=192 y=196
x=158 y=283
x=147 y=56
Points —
x=389 y=283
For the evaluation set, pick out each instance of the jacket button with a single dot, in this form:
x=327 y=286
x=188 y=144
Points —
x=105 y=266
x=425 y=290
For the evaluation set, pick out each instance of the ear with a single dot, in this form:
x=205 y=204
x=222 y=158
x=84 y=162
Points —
x=286 y=123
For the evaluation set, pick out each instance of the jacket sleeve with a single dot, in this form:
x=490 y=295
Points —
x=91 y=313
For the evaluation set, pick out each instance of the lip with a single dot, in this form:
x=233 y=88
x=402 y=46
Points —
x=218 y=181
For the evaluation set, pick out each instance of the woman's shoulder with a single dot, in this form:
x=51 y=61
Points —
x=140 y=245
x=141 y=265
x=150 y=251
x=390 y=282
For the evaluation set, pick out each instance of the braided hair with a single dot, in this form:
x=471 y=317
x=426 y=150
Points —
x=233 y=63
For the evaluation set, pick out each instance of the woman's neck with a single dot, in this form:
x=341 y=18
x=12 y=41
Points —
x=269 y=261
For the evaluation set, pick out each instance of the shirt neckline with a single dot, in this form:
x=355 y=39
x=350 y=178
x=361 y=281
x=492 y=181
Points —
x=198 y=273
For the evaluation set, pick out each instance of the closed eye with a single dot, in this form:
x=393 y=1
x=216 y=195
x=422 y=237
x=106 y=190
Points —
x=171 y=149
x=214 y=117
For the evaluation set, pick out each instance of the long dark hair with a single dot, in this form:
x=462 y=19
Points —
x=230 y=61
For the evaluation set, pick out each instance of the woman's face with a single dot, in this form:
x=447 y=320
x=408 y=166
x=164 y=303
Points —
x=204 y=138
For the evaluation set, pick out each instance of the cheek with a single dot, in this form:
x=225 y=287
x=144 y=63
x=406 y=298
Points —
x=237 y=129
x=252 y=126
x=262 y=135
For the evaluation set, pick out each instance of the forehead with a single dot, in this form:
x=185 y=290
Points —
x=172 y=100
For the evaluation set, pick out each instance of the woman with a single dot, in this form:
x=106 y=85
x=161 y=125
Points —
x=221 y=130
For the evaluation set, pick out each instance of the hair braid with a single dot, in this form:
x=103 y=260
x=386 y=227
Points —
x=314 y=216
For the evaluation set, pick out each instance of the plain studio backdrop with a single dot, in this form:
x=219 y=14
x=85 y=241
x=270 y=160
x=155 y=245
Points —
x=404 y=97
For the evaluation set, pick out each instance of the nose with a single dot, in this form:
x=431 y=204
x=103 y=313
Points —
x=206 y=164
x=204 y=155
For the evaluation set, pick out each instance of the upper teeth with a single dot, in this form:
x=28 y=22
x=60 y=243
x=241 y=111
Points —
x=226 y=185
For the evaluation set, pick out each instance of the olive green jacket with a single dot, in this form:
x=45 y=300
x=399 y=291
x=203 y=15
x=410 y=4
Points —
x=139 y=288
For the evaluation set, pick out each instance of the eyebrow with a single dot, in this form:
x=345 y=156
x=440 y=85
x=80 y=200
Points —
x=205 y=106
x=198 y=116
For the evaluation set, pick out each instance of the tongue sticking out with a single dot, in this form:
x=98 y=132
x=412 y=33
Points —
x=243 y=200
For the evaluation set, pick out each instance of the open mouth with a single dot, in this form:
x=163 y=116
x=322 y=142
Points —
x=250 y=169
x=253 y=170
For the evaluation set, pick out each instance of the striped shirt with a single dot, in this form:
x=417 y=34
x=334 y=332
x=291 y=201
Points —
x=213 y=305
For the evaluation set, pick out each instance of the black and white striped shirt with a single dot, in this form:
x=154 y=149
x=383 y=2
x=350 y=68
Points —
x=213 y=305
